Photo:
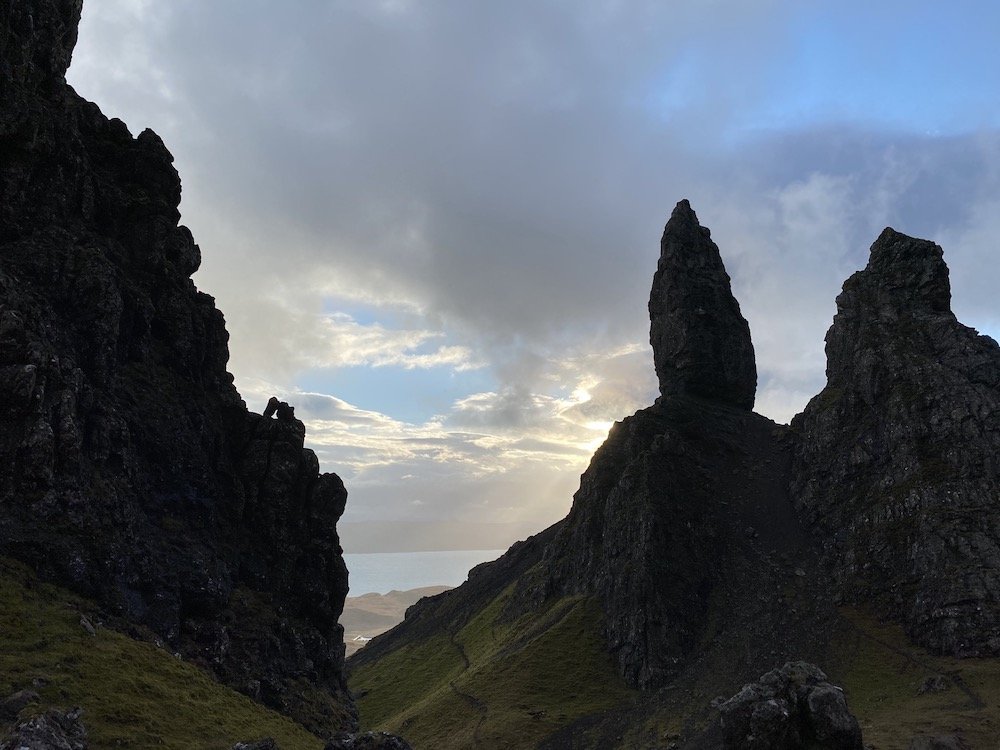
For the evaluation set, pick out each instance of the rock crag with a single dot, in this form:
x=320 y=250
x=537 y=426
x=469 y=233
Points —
x=898 y=458
x=786 y=709
x=682 y=526
x=721 y=544
x=130 y=468
x=658 y=526
x=701 y=341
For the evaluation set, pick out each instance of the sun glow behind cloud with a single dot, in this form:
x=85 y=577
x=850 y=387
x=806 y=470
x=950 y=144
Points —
x=432 y=227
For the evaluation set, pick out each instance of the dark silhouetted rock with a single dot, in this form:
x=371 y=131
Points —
x=658 y=530
x=789 y=709
x=368 y=741
x=264 y=744
x=898 y=461
x=54 y=730
x=697 y=522
x=657 y=524
x=701 y=342
x=658 y=527
x=130 y=468
x=38 y=40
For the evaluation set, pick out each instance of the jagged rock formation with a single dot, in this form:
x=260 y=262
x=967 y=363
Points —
x=659 y=523
x=787 y=709
x=718 y=542
x=368 y=741
x=130 y=469
x=55 y=729
x=898 y=461
x=701 y=342
x=659 y=527
x=682 y=526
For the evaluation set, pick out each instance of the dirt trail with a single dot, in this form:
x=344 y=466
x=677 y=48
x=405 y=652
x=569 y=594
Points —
x=975 y=700
x=477 y=705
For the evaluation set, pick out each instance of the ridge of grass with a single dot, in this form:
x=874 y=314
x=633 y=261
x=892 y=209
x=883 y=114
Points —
x=133 y=694
x=494 y=683
x=881 y=672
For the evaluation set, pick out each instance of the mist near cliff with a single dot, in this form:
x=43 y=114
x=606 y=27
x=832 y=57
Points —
x=432 y=226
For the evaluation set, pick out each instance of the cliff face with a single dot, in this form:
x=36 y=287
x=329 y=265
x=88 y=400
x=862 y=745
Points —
x=898 y=462
x=130 y=469
x=667 y=515
x=719 y=544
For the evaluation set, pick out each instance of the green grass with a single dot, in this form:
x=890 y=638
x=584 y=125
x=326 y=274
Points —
x=881 y=673
x=525 y=679
x=133 y=693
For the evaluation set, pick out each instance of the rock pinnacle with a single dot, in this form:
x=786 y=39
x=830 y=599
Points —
x=701 y=341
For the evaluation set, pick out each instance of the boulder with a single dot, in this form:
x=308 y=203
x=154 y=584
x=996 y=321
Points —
x=368 y=741
x=55 y=729
x=790 y=708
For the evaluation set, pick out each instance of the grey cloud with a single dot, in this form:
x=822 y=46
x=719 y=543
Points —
x=501 y=173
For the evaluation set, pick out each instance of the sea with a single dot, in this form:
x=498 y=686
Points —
x=382 y=572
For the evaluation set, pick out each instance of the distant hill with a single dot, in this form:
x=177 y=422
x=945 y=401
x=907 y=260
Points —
x=368 y=615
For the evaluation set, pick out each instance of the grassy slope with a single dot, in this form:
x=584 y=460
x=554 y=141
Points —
x=493 y=684
x=881 y=672
x=133 y=694
x=528 y=679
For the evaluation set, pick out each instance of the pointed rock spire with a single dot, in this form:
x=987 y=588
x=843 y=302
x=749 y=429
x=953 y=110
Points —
x=906 y=279
x=903 y=273
x=37 y=38
x=701 y=341
x=897 y=457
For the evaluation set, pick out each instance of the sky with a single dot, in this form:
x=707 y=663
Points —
x=432 y=226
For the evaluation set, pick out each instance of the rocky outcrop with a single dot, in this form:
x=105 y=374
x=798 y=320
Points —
x=719 y=543
x=701 y=342
x=368 y=741
x=130 y=469
x=682 y=519
x=13 y=704
x=787 y=709
x=55 y=729
x=898 y=458
x=659 y=527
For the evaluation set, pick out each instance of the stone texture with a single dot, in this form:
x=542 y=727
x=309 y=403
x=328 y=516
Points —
x=898 y=459
x=265 y=744
x=697 y=520
x=701 y=342
x=658 y=528
x=368 y=741
x=130 y=468
x=673 y=517
x=55 y=729
x=790 y=708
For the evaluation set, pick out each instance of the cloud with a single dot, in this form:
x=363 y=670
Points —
x=475 y=192
x=495 y=457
